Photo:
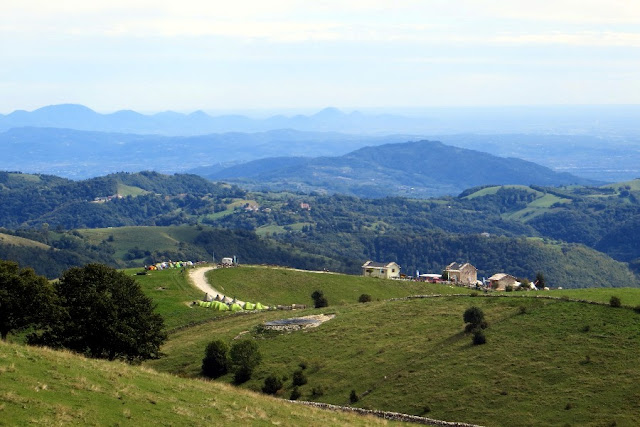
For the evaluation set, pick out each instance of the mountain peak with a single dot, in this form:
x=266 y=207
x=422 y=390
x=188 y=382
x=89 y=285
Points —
x=328 y=113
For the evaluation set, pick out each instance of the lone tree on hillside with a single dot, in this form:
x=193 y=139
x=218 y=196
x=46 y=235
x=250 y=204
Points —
x=216 y=359
x=26 y=299
x=245 y=357
x=104 y=314
x=474 y=318
x=319 y=299
x=540 y=282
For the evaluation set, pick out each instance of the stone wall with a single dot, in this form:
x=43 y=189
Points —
x=391 y=416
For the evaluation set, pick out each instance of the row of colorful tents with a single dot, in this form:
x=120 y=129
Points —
x=170 y=264
x=221 y=306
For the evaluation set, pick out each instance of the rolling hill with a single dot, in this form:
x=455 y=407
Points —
x=412 y=355
x=47 y=387
x=418 y=169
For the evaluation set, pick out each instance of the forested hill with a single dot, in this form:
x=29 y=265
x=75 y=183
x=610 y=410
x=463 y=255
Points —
x=553 y=230
x=417 y=169
x=112 y=200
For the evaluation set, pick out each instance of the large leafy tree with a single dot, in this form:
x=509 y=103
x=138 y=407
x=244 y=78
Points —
x=105 y=314
x=26 y=299
x=245 y=357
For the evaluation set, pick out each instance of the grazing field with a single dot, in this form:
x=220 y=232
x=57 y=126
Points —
x=173 y=293
x=546 y=362
x=125 y=238
x=45 y=387
x=629 y=297
x=8 y=239
x=286 y=286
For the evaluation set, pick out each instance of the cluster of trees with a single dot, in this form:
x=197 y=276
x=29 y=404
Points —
x=94 y=310
x=241 y=358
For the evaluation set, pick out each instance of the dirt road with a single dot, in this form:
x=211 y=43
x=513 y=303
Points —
x=199 y=280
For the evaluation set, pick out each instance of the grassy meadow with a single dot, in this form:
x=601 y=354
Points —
x=125 y=238
x=548 y=363
x=44 y=387
x=286 y=286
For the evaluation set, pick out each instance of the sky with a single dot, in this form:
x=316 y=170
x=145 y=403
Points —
x=241 y=55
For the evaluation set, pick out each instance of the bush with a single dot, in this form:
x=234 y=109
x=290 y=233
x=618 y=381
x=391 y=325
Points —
x=522 y=309
x=508 y=288
x=295 y=394
x=637 y=309
x=319 y=299
x=474 y=317
x=271 y=384
x=364 y=298
x=479 y=338
x=353 y=397
x=615 y=302
x=216 y=359
x=245 y=356
x=317 y=391
x=299 y=378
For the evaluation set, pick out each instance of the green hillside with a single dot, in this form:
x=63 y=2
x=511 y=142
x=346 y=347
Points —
x=286 y=286
x=45 y=387
x=412 y=356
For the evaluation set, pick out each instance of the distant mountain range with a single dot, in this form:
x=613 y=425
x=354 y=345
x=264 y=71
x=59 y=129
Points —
x=413 y=169
x=576 y=120
x=79 y=117
x=83 y=154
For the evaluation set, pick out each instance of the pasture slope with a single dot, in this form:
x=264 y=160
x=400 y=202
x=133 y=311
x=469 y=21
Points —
x=546 y=361
x=45 y=387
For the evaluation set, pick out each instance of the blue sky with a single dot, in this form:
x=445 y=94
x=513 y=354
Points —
x=155 y=55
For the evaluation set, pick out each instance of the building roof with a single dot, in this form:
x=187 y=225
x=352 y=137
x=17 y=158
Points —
x=377 y=264
x=500 y=276
x=455 y=266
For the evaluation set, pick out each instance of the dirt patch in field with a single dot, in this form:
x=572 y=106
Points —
x=297 y=323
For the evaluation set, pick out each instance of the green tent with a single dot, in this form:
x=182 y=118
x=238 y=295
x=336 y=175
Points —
x=260 y=306
x=217 y=305
x=249 y=306
x=201 y=303
x=235 y=307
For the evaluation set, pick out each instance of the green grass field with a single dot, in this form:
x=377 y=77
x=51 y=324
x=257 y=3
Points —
x=125 y=238
x=172 y=292
x=128 y=190
x=21 y=241
x=285 y=286
x=559 y=363
x=45 y=387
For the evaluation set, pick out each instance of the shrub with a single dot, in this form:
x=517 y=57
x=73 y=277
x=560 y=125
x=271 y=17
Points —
x=474 y=317
x=303 y=365
x=216 y=359
x=353 y=397
x=479 y=338
x=295 y=394
x=319 y=299
x=364 y=298
x=508 y=288
x=615 y=302
x=637 y=309
x=317 y=391
x=522 y=309
x=271 y=384
x=299 y=378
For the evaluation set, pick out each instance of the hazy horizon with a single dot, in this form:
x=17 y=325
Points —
x=290 y=55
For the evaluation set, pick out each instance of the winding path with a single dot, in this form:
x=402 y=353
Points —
x=199 y=280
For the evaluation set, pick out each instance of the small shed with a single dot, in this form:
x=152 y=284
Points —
x=500 y=281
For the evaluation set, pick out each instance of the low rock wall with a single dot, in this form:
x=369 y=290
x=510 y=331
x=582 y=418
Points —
x=391 y=416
